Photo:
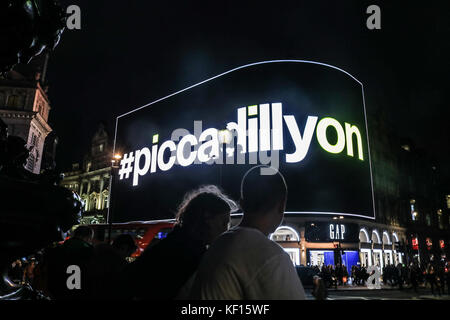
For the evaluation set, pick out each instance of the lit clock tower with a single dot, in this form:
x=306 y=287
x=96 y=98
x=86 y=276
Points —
x=24 y=107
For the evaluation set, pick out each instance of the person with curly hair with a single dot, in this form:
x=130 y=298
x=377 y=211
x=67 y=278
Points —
x=162 y=269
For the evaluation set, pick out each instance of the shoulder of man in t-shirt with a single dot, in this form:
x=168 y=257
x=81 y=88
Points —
x=244 y=264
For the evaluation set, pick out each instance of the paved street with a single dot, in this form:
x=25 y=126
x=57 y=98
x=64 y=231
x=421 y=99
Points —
x=362 y=293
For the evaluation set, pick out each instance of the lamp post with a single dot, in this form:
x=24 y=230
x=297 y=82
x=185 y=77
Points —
x=112 y=179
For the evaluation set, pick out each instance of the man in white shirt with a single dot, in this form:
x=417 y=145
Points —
x=243 y=263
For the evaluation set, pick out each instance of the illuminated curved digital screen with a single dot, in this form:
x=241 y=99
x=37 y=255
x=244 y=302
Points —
x=305 y=118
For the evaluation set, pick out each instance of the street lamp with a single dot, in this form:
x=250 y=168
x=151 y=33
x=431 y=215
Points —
x=115 y=161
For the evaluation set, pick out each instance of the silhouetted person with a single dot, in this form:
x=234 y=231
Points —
x=414 y=277
x=319 y=289
x=77 y=251
x=124 y=245
x=447 y=279
x=338 y=273
x=364 y=275
x=400 y=276
x=431 y=278
x=29 y=271
x=440 y=275
x=243 y=263
x=162 y=269
x=13 y=158
x=107 y=264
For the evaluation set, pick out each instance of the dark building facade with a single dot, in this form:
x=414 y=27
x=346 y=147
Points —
x=412 y=216
x=91 y=178
x=25 y=108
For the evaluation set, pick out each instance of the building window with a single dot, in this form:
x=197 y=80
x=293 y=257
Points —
x=448 y=201
x=105 y=183
x=440 y=219
x=414 y=213
x=88 y=167
x=105 y=200
x=34 y=140
x=30 y=163
x=100 y=147
x=428 y=219
x=83 y=188
x=13 y=101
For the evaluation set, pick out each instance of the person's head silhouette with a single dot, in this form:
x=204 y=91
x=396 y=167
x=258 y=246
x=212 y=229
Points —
x=205 y=213
x=263 y=199
x=124 y=245
x=84 y=233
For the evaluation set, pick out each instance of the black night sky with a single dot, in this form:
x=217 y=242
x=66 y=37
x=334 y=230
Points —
x=129 y=53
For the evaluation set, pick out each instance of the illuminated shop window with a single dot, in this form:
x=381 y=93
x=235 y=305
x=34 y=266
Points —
x=415 y=243
x=364 y=236
x=162 y=233
x=386 y=239
x=376 y=237
x=429 y=243
x=395 y=237
x=294 y=254
x=414 y=213
x=285 y=233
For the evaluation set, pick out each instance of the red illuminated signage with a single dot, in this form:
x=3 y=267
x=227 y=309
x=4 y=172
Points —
x=415 y=244
x=442 y=244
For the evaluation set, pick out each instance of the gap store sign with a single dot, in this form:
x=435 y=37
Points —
x=331 y=232
x=305 y=118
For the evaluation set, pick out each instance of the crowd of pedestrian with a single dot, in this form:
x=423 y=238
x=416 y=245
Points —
x=338 y=275
x=202 y=258
x=434 y=276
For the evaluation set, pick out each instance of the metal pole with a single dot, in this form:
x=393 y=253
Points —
x=110 y=207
